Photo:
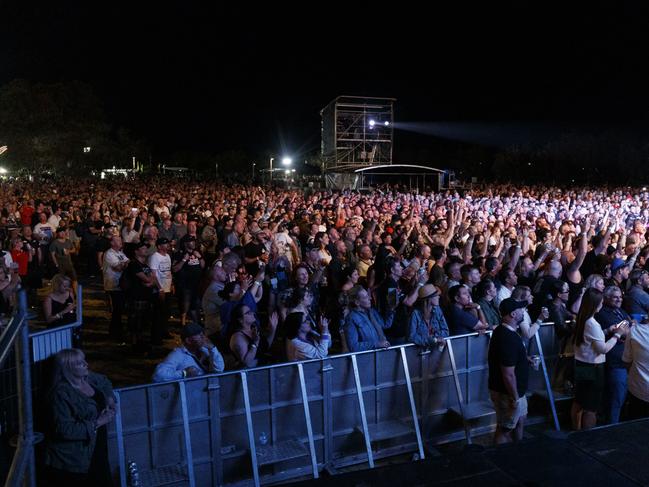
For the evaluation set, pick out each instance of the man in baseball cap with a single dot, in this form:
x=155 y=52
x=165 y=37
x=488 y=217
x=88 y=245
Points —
x=508 y=373
x=197 y=356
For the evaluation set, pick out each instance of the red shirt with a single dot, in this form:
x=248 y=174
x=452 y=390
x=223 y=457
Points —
x=26 y=213
x=22 y=259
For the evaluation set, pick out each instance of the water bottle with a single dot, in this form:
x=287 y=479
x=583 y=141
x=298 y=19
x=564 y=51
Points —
x=263 y=439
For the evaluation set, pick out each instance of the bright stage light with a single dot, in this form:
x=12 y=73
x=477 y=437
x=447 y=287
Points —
x=3 y=170
x=287 y=161
x=386 y=123
x=372 y=123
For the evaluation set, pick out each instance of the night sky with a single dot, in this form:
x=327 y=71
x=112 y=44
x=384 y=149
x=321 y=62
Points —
x=205 y=76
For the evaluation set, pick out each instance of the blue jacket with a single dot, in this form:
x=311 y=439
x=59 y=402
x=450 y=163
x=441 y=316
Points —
x=361 y=334
x=418 y=330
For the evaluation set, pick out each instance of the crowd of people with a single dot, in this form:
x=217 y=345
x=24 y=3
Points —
x=258 y=275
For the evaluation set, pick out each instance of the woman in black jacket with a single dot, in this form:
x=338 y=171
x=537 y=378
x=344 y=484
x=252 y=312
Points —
x=80 y=405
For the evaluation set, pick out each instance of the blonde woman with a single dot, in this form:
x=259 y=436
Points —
x=80 y=405
x=59 y=306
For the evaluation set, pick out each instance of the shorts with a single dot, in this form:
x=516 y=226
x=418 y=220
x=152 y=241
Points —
x=507 y=415
x=589 y=385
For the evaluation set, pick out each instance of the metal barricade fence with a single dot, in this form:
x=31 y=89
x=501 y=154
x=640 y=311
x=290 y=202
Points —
x=15 y=338
x=254 y=426
x=39 y=346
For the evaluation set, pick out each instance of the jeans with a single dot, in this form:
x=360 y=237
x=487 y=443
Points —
x=615 y=393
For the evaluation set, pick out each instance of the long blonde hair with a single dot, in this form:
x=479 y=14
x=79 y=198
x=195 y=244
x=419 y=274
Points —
x=63 y=364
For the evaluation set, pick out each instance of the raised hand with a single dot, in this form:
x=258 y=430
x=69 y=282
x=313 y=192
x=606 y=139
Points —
x=273 y=320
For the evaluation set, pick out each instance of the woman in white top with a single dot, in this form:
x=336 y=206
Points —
x=302 y=341
x=590 y=354
x=321 y=241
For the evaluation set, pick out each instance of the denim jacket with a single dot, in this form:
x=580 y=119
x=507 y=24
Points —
x=361 y=334
x=418 y=330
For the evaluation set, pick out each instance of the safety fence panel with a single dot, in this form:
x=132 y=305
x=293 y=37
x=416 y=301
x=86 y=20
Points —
x=436 y=390
x=388 y=426
x=252 y=425
x=554 y=359
x=154 y=436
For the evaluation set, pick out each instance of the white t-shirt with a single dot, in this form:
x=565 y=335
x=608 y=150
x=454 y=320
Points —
x=585 y=352
x=636 y=352
x=161 y=209
x=54 y=221
x=44 y=232
x=161 y=266
x=112 y=258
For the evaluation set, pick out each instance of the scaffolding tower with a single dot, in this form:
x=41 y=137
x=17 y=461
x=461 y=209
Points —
x=357 y=132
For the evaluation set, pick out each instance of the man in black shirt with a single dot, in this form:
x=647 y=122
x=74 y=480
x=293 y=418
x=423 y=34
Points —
x=187 y=268
x=508 y=373
x=141 y=287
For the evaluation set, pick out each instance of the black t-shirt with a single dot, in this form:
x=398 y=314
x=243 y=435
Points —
x=506 y=349
x=190 y=273
x=137 y=290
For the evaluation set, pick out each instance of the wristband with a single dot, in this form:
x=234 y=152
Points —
x=617 y=335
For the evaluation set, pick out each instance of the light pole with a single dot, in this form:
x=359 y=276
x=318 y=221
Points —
x=286 y=161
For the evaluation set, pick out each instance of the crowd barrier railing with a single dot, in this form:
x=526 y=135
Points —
x=283 y=421
x=16 y=336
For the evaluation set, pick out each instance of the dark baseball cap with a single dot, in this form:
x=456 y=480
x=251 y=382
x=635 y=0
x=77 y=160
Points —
x=162 y=241
x=139 y=245
x=510 y=304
